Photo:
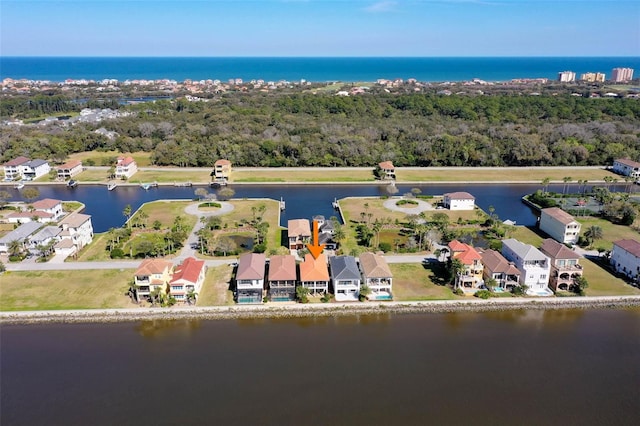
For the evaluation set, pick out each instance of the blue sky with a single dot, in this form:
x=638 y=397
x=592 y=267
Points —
x=320 y=28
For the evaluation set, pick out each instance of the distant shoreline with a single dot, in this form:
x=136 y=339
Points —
x=272 y=310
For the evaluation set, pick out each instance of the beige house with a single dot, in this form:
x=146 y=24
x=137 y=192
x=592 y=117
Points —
x=221 y=170
x=152 y=274
x=496 y=267
x=559 y=225
x=469 y=279
x=565 y=266
x=299 y=232
x=125 y=167
x=386 y=170
x=69 y=170
x=377 y=276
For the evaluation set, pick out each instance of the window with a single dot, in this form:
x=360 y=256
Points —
x=543 y=276
x=176 y=288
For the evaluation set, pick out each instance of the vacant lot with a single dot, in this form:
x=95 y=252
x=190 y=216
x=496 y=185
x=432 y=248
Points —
x=215 y=290
x=172 y=176
x=100 y=157
x=610 y=232
x=412 y=281
x=302 y=175
x=516 y=174
x=603 y=283
x=53 y=290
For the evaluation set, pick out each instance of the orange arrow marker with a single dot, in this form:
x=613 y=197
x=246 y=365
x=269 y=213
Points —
x=315 y=248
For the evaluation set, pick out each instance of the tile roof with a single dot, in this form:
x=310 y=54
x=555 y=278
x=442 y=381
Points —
x=222 y=162
x=153 y=266
x=464 y=252
x=70 y=165
x=631 y=246
x=460 y=195
x=17 y=161
x=46 y=203
x=28 y=214
x=386 y=165
x=125 y=161
x=374 y=266
x=628 y=162
x=495 y=262
x=298 y=227
x=344 y=268
x=559 y=215
x=314 y=269
x=282 y=268
x=555 y=250
x=251 y=266
x=189 y=270
x=74 y=220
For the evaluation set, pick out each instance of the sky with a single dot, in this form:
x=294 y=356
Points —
x=320 y=28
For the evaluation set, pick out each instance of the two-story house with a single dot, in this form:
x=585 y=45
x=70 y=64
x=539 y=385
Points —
x=386 y=170
x=34 y=169
x=565 y=266
x=534 y=266
x=469 y=277
x=125 y=167
x=626 y=167
x=77 y=232
x=250 y=278
x=69 y=170
x=459 y=201
x=44 y=239
x=299 y=233
x=49 y=205
x=13 y=168
x=559 y=225
x=282 y=278
x=496 y=267
x=377 y=276
x=187 y=279
x=221 y=171
x=345 y=278
x=625 y=258
x=314 y=274
x=20 y=235
x=152 y=275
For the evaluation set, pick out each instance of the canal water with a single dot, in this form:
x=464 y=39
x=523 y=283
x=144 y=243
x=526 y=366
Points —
x=570 y=367
x=302 y=201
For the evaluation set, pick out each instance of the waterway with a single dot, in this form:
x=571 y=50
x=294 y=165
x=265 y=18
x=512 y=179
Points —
x=302 y=201
x=501 y=368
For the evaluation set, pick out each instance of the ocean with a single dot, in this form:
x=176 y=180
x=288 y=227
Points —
x=311 y=69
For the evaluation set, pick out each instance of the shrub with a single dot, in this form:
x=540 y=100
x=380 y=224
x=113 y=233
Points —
x=210 y=204
x=404 y=202
x=15 y=258
x=2 y=267
x=302 y=294
x=517 y=290
x=458 y=292
x=482 y=294
x=385 y=247
x=260 y=248
x=117 y=253
x=325 y=298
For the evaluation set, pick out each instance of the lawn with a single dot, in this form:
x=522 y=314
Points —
x=166 y=212
x=97 y=250
x=303 y=175
x=412 y=281
x=172 y=176
x=610 y=231
x=54 y=290
x=518 y=174
x=93 y=175
x=603 y=283
x=215 y=290
x=242 y=213
x=527 y=235
x=142 y=158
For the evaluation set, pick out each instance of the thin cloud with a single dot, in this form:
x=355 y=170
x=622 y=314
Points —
x=381 y=6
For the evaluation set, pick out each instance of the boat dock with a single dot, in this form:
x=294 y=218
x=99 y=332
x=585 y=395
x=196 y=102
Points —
x=335 y=204
x=111 y=186
x=182 y=184
x=146 y=186
x=282 y=204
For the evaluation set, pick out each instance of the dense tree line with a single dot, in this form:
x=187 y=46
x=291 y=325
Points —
x=270 y=129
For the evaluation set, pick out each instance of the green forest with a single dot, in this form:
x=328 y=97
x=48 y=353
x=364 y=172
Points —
x=304 y=129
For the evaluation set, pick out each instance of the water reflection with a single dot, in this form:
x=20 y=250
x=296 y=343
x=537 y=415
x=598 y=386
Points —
x=165 y=328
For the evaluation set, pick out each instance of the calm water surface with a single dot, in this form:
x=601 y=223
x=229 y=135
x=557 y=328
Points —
x=519 y=367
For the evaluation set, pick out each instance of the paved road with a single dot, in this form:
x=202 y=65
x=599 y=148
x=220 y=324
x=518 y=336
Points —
x=192 y=240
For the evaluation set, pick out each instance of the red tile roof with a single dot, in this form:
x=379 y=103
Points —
x=16 y=161
x=282 y=268
x=386 y=165
x=153 y=266
x=125 y=161
x=70 y=165
x=631 y=246
x=314 y=269
x=189 y=270
x=222 y=162
x=628 y=162
x=555 y=250
x=45 y=203
x=464 y=252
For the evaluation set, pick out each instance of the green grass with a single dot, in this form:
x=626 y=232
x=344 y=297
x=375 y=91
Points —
x=55 y=290
x=302 y=175
x=527 y=235
x=610 y=231
x=603 y=283
x=412 y=281
x=97 y=250
x=215 y=290
x=518 y=174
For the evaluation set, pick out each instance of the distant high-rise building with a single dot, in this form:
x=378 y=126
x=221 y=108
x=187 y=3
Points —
x=592 y=77
x=620 y=75
x=566 y=76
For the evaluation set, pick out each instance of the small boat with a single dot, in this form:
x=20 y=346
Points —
x=282 y=204
x=182 y=184
x=19 y=185
x=146 y=186
x=72 y=183
x=335 y=204
x=111 y=186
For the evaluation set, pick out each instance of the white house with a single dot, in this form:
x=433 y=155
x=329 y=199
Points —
x=187 y=277
x=627 y=167
x=250 y=278
x=377 y=276
x=20 y=234
x=33 y=169
x=49 y=205
x=459 y=201
x=125 y=167
x=13 y=168
x=77 y=232
x=534 y=266
x=345 y=277
x=47 y=235
x=559 y=225
x=625 y=258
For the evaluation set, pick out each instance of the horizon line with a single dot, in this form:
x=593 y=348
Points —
x=313 y=57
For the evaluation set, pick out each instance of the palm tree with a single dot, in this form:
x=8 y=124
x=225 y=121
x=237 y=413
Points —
x=127 y=213
x=192 y=296
x=143 y=217
x=455 y=268
x=566 y=181
x=594 y=232
x=545 y=184
x=15 y=248
x=444 y=252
